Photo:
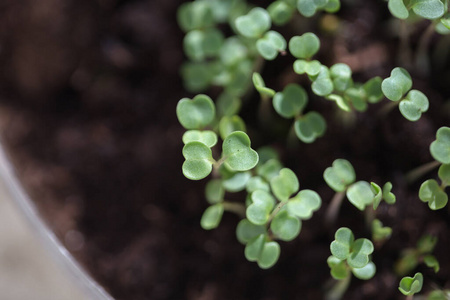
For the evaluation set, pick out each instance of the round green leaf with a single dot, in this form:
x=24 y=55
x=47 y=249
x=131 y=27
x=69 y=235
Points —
x=254 y=247
x=237 y=152
x=373 y=90
x=431 y=262
x=214 y=191
x=380 y=233
x=339 y=269
x=304 y=204
x=212 y=216
x=194 y=15
x=431 y=192
x=310 y=126
x=285 y=184
x=260 y=86
x=257 y=183
x=253 y=24
x=270 y=45
x=196 y=76
x=269 y=255
x=340 y=247
x=356 y=94
x=440 y=148
x=398 y=84
x=332 y=6
x=360 y=194
x=236 y=182
x=196 y=113
x=388 y=196
x=198 y=162
x=291 y=101
x=307 y=7
x=262 y=204
x=410 y=286
x=228 y=105
x=280 y=12
x=359 y=254
x=304 y=46
x=207 y=137
x=233 y=51
x=444 y=174
x=339 y=175
x=398 y=9
x=322 y=84
x=311 y=68
x=267 y=153
x=230 y=124
x=246 y=231
x=366 y=272
x=428 y=9
x=285 y=227
x=426 y=243
x=414 y=104
x=200 y=44
x=269 y=169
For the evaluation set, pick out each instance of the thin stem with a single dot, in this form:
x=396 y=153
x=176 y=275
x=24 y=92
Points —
x=234 y=207
x=410 y=297
x=418 y=172
x=339 y=288
x=369 y=216
x=387 y=108
x=405 y=54
x=276 y=210
x=422 y=60
x=333 y=208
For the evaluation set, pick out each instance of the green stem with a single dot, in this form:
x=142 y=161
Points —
x=276 y=210
x=339 y=288
x=405 y=54
x=418 y=172
x=387 y=108
x=234 y=207
x=333 y=208
x=369 y=216
x=422 y=60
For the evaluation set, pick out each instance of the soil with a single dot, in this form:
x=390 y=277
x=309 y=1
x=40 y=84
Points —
x=88 y=91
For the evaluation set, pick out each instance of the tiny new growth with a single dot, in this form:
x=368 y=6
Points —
x=228 y=44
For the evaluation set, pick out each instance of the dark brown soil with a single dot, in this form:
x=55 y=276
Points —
x=88 y=91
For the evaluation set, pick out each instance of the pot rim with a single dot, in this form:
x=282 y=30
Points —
x=49 y=240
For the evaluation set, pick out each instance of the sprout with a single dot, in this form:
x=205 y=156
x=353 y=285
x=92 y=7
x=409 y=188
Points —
x=270 y=45
x=380 y=233
x=340 y=175
x=212 y=216
x=262 y=204
x=428 y=9
x=411 y=285
x=411 y=257
x=285 y=184
x=207 y=137
x=196 y=113
x=396 y=86
x=264 y=252
x=350 y=254
x=253 y=24
x=237 y=152
x=280 y=12
x=440 y=148
x=304 y=46
x=230 y=124
x=260 y=86
x=199 y=161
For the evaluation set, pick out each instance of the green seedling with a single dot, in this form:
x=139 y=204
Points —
x=196 y=113
x=440 y=148
x=290 y=104
x=411 y=257
x=380 y=233
x=254 y=24
x=260 y=86
x=439 y=295
x=396 y=86
x=411 y=285
x=308 y=8
x=349 y=256
x=281 y=11
x=429 y=9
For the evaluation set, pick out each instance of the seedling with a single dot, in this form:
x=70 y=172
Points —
x=396 y=86
x=350 y=256
x=411 y=257
x=341 y=178
x=216 y=143
x=411 y=285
